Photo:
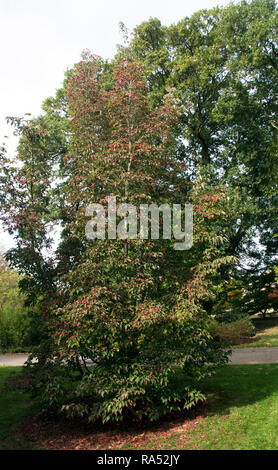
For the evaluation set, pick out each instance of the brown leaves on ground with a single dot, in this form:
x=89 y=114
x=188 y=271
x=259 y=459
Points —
x=54 y=432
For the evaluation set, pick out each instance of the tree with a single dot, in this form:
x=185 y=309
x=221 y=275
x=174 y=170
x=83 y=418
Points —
x=132 y=306
x=191 y=122
x=223 y=65
x=27 y=213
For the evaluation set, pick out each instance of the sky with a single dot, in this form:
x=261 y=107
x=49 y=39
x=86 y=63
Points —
x=40 y=39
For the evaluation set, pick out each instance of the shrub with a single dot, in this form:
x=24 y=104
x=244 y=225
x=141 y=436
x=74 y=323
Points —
x=14 y=329
x=155 y=370
x=233 y=332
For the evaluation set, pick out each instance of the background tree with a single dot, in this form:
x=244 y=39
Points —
x=27 y=212
x=223 y=65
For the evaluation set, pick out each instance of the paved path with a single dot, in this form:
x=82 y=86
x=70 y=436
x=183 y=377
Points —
x=13 y=359
x=255 y=356
x=239 y=356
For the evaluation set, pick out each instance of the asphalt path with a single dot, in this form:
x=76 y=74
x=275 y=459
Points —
x=238 y=356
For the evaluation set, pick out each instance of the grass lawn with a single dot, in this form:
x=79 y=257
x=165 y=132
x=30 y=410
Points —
x=14 y=406
x=266 y=334
x=241 y=413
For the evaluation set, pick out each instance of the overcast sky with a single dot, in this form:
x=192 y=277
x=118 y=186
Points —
x=40 y=39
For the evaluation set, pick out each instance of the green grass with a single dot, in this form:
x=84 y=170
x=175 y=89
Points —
x=14 y=406
x=266 y=334
x=242 y=414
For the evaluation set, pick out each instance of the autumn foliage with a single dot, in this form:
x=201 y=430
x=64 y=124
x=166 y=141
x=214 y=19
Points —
x=133 y=307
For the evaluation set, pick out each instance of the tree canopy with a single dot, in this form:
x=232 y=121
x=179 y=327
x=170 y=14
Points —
x=183 y=114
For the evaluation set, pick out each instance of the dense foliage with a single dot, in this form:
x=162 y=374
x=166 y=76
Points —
x=15 y=325
x=223 y=65
x=182 y=115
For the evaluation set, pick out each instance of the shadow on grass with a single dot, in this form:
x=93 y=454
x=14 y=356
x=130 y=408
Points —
x=239 y=386
x=14 y=407
x=262 y=324
x=266 y=333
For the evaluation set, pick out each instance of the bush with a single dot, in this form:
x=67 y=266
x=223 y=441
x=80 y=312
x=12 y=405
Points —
x=233 y=332
x=146 y=376
x=14 y=327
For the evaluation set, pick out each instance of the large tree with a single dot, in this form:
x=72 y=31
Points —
x=184 y=114
x=131 y=305
x=223 y=65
